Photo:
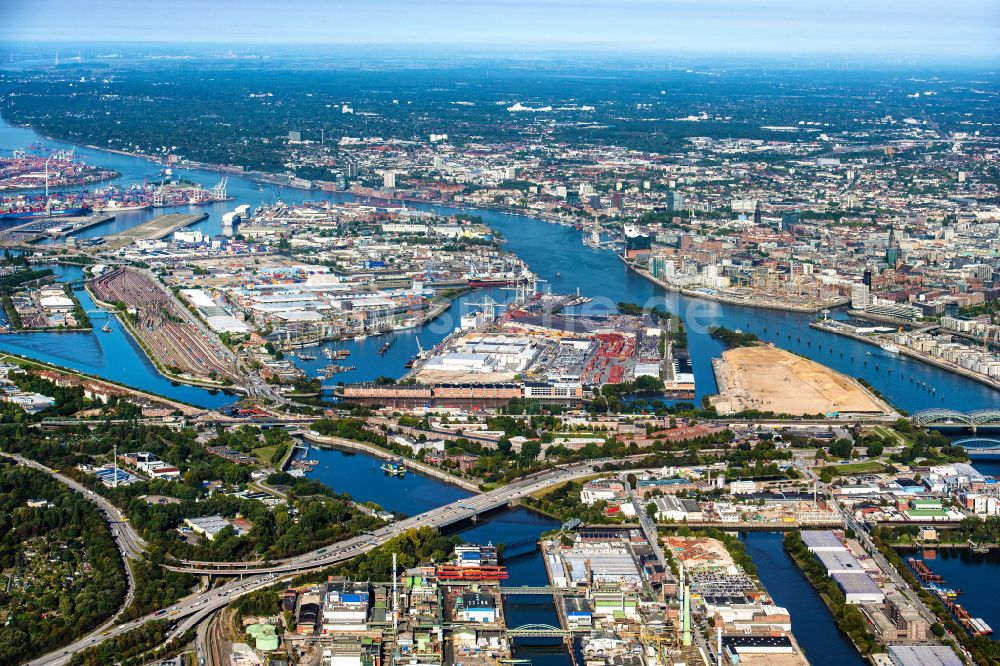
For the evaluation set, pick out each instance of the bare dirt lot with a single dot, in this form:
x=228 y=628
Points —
x=771 y=379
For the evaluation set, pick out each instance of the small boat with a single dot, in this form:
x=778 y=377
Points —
x=394 y=467
x=106 y=328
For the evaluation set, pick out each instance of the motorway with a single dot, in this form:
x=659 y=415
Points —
x=190 y=611
x=129 y=542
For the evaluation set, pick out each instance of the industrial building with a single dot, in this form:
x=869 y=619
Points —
x=923 y=655
x=346 y=606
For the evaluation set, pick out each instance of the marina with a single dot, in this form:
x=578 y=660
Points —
x=935 y=583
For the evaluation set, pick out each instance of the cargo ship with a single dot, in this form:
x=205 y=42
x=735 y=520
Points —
x=114 y=206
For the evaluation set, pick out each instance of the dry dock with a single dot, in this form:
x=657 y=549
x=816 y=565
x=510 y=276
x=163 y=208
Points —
x=155 y=229
x=769 y=379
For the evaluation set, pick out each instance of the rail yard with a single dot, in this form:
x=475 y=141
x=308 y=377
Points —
x=166 y=330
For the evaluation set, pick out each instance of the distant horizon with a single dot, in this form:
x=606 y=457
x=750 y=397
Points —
x=110 y=52
x=854 y=29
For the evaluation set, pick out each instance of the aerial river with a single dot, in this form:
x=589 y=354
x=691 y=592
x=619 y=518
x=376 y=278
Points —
x=556 y=254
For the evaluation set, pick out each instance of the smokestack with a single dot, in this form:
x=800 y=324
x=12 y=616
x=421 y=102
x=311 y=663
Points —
x=680 y=593
x=395 y=597
x=687 y=617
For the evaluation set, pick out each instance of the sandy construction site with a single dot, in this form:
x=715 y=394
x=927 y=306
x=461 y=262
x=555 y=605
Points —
x=773 y=380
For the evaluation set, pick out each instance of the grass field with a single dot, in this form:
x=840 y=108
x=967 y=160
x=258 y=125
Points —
x=542 y=492
x=264 y=453
x=854 y=468
x=884 y=432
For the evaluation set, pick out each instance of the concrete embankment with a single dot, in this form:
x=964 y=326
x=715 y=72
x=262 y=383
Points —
x=732 y=300
x=157 y=362
x=183 y=407
x=906 y=351
x=411 y=464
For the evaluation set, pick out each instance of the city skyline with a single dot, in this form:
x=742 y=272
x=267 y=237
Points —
x=966 y=29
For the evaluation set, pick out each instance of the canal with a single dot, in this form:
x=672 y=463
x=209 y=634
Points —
x=966 y=571
x=358 y=474
x=813 y=625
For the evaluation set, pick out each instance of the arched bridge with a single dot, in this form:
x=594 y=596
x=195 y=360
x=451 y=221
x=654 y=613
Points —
x=537 y=631
x=950 y=417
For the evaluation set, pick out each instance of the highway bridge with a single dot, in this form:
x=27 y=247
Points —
x=193 y=609
x=463 y=510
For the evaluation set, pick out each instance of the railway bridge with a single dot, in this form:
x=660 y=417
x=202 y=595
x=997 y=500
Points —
x=950 y=418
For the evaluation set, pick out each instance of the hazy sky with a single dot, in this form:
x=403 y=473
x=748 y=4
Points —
x=931 y=28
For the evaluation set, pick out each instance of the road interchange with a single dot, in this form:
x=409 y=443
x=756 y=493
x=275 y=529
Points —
x=193 y=609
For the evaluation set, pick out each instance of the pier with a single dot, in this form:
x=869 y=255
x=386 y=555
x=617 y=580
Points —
x=155 y=229
x=50 y=227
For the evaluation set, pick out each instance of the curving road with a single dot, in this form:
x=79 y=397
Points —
x=130 y=544
x=190 y=611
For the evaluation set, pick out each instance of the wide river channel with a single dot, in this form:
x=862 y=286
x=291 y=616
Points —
x=557 y=255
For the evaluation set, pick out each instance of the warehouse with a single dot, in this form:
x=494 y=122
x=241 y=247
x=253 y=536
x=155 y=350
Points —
x=345 y=607
x=579 y=612
x=859 y=588
x=923 y=655
x=478 y=607
x=818 y=541
x=675 y=509
x=209 y=526
x=605 y=562
x=839 y=562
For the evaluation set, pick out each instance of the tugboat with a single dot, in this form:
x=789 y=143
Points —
x=394 y=467
x=106 y=328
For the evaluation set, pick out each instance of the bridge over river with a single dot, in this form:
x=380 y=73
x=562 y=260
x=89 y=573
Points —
x=950 y=418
